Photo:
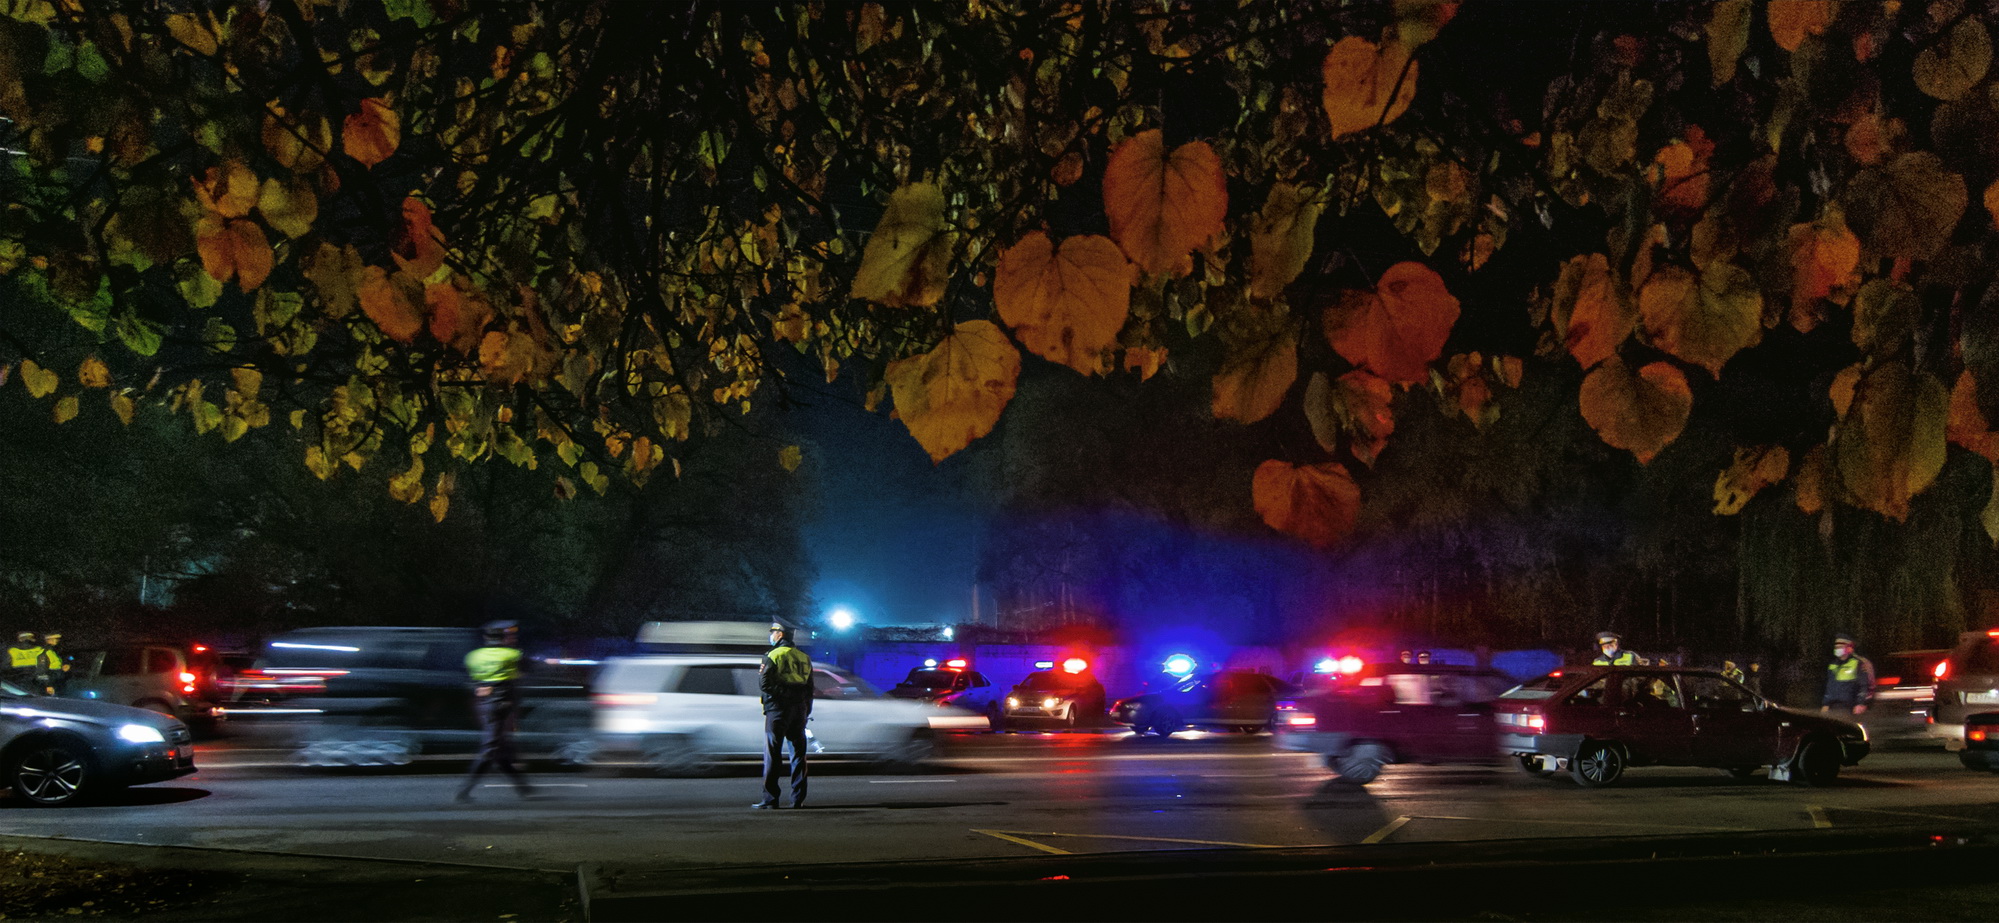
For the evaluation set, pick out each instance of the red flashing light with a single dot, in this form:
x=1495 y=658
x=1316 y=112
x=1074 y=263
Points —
x=955 y=663
x=1075 y=665
x=1942 y=670
x=1555 y=673
x=200 y=648
x=1351 y=664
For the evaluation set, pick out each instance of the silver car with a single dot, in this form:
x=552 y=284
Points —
x=56 y=751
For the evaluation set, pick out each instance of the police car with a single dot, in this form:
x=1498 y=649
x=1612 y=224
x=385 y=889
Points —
x=695 y=704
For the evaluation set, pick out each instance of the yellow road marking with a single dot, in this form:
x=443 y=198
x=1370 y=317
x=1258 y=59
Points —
x=1120 y=836
x=1027 y=843
x=1572 y=823
x=1818 y=816
x=1382 y=834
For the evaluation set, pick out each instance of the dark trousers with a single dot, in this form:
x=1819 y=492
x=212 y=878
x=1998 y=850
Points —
x=779 y=729
x=497 y=710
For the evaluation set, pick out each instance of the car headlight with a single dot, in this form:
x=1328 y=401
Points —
x=1013 y=701
x=1050 y=702
x=141 y=734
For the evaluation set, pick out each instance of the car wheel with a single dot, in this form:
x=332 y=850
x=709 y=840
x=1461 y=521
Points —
x=1742 y=772
x=1362 y=764
x=1817 y=765
x=1165 y=722
x=580 y=753
x=911 y=753
x=1974 y=761
x=52 y=773
x=1532 y=766
x=1596 y=764
x=675 y=757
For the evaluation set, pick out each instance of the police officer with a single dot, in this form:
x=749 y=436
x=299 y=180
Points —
x=24 y=661
x=55 y=667
x=495 y=669
x=1849 y=680
x=1731 y=671
x=785 y=677
x=1609 y=654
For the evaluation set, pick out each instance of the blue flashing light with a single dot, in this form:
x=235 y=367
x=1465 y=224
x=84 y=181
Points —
x=1044 y=664
x=1328 y=665
x=1179 y=665
x=929 y=663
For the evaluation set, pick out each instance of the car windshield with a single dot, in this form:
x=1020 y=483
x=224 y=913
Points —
x=931 y=679
x=1049 y=679
x=1536 y=689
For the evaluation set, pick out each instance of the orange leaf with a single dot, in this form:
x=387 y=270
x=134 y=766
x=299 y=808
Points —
x=418 y=247
x=954 y=393
x=1793 y=21
x=1252 y=384
x=229 y=190
x=1359 y=76
x=1967 y=426
x=1639 y=413
x=1164 y=206
x=1588 y=312
x=233 y=247
x=1357 y=405
x=1399 y=328
x=1064 y=305
x=1467 y=386
x=385 y=303
x=455 y=319
x=1824 y=257
x=1317 y=503
x=371 y=135
x=1813 y=481
x=1144 y=360
x=507 y=356
x=1684 y=186
x=1992 y=199
x=1705 y=319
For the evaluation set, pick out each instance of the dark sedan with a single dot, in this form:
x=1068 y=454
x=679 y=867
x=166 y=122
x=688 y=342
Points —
x=57 y=751
x=1595 y=722
x=1235 y=699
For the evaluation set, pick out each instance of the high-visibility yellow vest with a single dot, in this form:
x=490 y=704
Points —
x=494 y=664
x=791 y=665
x=1623 y=659
x=25 y=657
x=1848 y=672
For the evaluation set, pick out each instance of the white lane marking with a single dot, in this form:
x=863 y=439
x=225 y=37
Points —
x=1384 y=833
x=540 y=785
x=908 y=781
x=1574 y=823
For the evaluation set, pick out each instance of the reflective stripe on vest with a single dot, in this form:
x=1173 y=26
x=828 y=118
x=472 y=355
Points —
x=791 y=665
x=493 y=664
x=1848 y=672
x=25 y=656
x=1623 y=659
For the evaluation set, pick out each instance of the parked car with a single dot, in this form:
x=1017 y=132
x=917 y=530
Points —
x=681 y=713
x=1395 y=713
x=1968 y=685
x=381 y=696
x=1068 y=696
x=1236 y=699
x=1595 y=722
x=1981 y=741
x=58 y=751
x=954 y=685
x=182 y=680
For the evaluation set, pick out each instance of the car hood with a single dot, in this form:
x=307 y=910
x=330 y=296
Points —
x=916 y=692
x=1817 y=721
x=88 y=711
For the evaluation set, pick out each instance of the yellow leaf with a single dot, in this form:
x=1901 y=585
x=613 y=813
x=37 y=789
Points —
x=39 y=381
x=1365 y=84
x=1252 y=383
x=1891 y=442
x=1640 y=413
x=1825 y=257
x=372 y=134
x=1162 y=207
x=124 y=407
x=1282 y=239
x=408 y=485
x=300 y=147
x=190 y=31
x=1885 y=313
x=1753 y=470
x=289 y=208
x=1704 y=319
x=1065 y=305
x=509 y=357
x=1956 y=63
x=907 y=257
x=790 y=457
x=1316 y=503
x=236 y=248
x=228 y=190
x=336 y=272
x=66 y=408
x=1727 y=37
x=318 y=463
x=954 y=393
x=93 y=374
x=1590 y=312
x=439 y=505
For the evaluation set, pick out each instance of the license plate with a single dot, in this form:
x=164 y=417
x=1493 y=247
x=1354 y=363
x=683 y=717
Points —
x=1981 y=698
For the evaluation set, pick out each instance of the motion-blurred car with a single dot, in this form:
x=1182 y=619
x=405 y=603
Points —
x=184 y=681
x=1068 y=695
x=58 y=751
x=954 y=684
x=1236 y=699
x=1904 y=691
x=1595 y=722
x=381 y=696
x=681 y=713
x=1968 y=685
x=1395 y=713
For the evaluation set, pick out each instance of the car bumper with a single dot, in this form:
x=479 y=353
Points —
x=150 y=764
x=1556 y=745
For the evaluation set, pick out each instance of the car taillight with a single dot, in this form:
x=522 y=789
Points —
x=1942 y=670
x=1974 y=734
x=1535 y=723
x=1290 y=715
x=617 y=698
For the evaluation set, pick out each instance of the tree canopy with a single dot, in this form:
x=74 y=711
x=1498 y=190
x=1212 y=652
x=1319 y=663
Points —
x=428 y=234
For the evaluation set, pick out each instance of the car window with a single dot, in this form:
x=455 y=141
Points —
x=978 y=680
x=161 y=660
x=1596 y=693
x=709 y=680
x=1412 y=688
x=1535 y=689
x=1655 y=691
x=634 y=676
x=828 y=684
x=1713 y=693
x=123 y=661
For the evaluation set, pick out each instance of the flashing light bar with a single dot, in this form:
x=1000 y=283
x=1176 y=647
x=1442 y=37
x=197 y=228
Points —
x=1179 y=664
x=930 y=663
x=1044 y=664
x=317 y=647
x=1328 y=665
x=955 y=663
x=1351 y=664
x=1075 y=665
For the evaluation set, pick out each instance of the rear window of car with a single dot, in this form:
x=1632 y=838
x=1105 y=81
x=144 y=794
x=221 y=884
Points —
x=1542 y=688
x=932 y=679
x=1984 y=658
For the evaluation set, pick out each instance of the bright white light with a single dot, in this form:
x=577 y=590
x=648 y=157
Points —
x=1179 y=664
x=1328 y=665
x=141 y=734
x=316 y=647
x=842 y=619
x=1351 y=664
x=949 y=633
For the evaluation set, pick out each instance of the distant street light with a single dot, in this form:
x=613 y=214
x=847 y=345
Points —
x=842 y=619
x=948 y=633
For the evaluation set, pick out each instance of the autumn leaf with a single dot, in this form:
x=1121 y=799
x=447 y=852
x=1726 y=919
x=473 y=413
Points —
x=1356 y=407
x=507 y=357
x=1885 y=313
x=1705 y=319
x=1359 y=78
x=189 y=30
x=407 y=486
x=1590 y=314
x=1907 y=207
x=337 y=273
x=1824 y=259
x=1399 y=328
x=1064 y=305
x=233 y=247
x=1956 y=63
x=1465 y=385
x=1640 y=413
x=1254 y=380
x=1164 y=206
x=1989 y=516
x=790 y=457
x=954 y=393
x=299 y=147
x=1967 y=425
x=1891 y=441
x=418 y=248
x=1683 y=166
x=1281 y=240
x=371 y=134
x=1814 y=484
x=1793 y=21
x=1727 y=36
x=229 y=190
x=289 y=208
x=93 y=374
x=65 y=409
x=123 y=405
x=1317 y=503
x=906 y=262
x=1753 y=470
x=382 y=298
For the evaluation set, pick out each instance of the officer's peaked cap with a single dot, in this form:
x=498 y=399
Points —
x=1842 y=639
x=1604 y=637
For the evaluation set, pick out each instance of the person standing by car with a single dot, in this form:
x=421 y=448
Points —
x=1849 y=681
x=495 y=669
x=1733 y=672
x=1609 y=652
x=55 y=667
x=24 y=661
x=785 y=678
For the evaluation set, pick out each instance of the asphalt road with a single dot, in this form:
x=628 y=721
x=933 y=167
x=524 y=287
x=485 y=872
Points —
x=988 y=797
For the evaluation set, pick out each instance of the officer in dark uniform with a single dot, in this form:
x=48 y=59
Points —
x=24 y=662
x=495 y=670
x=55 y=666
x=785 y=677
x=1849 y=680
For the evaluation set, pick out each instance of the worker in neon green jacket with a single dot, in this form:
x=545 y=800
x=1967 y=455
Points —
x=495 y=669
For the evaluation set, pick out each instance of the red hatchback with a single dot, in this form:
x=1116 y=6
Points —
x=1394 y=713
x=1596 y=721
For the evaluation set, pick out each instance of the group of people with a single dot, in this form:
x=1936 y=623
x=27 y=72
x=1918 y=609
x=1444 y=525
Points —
x=1849 y=683
x=35 y=664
